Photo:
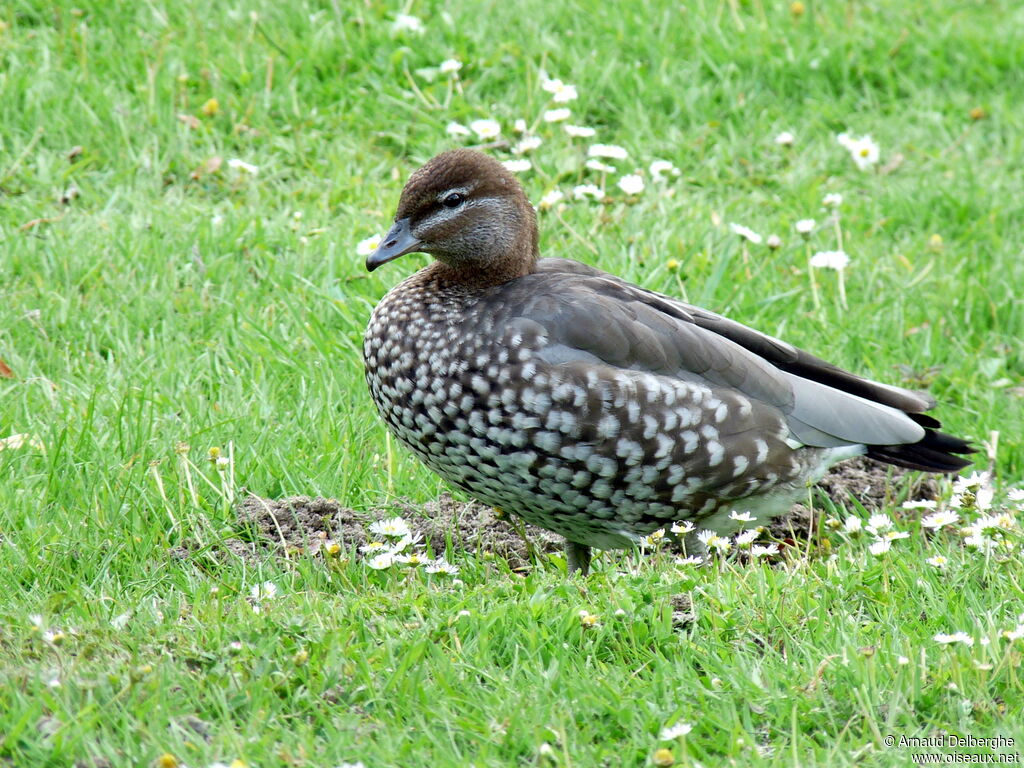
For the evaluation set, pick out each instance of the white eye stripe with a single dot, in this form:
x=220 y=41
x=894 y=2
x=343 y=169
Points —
x=453 y=191
x=444 y=215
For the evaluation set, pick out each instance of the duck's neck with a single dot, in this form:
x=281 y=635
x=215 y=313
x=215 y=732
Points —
x=516 y=260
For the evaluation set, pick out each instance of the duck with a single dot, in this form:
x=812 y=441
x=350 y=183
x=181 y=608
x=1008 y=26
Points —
x=595 y=408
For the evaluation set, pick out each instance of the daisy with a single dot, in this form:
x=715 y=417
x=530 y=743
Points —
x=557 y=115
x=579 y=131
x=973 y=481
x=486 y=129
x=955 y=637
x=673 y=732
x=395 y=527
x=519 y=126
x=631 y=184
x=265 y=591
x=837 y=260
x=939 y=561
x=1015 y=494
x=774 y=242
x=518 y=166
x=583 y=191
x=712 y=540
x=853 y=524
x=600 y=167
x=895 y=535
x=864 y=151
x=659 y=169
x=804 y=226
x=832 y=200
x=588 y=619
x=527 y=144
x=374 y=546
x=692 y=560
x=880 y=547
x=560 y=92
x=442 y=566
x=745 y=232
x=763 y=551
x=940 y=520
x=611 y=151
x=745 y=539
x=450 y=67
x=381 y=561
x=741 y=517
x=551 y=198
x=457 y=129
x=785 y=139
x=920 y=504
x=879 y=522
x=368 y=246
x=681 y=529
x=406 y=23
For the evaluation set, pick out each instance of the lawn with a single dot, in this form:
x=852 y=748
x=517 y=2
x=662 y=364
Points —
x=183 y=191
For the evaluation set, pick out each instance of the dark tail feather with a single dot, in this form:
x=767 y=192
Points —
x=933 y=453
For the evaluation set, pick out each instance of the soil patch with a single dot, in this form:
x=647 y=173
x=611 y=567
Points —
x=305 y=524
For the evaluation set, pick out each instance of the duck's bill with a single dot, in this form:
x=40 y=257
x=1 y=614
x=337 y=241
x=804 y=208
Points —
x=397 y=242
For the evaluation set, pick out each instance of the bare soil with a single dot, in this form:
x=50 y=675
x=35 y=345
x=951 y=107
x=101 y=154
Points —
x=304 y=524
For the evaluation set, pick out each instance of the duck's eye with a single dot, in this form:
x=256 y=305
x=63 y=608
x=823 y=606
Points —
x=454 y=200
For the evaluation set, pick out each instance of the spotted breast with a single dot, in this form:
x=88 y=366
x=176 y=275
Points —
x=590 y=406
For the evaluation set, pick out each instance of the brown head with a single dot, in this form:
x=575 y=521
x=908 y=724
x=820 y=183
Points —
x=468 y=212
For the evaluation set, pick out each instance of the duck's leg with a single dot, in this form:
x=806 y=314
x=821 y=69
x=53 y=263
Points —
x=578 y=557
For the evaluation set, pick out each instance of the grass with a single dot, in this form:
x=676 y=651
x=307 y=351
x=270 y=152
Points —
x=158 y=313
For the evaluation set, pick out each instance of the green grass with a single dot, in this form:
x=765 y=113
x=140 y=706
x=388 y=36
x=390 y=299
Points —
x=156 y=309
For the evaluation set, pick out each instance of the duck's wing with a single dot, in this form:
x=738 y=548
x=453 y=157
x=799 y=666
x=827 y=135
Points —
x=589 y=316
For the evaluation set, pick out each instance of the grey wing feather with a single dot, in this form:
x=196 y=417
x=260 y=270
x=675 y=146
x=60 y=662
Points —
x=594 y=318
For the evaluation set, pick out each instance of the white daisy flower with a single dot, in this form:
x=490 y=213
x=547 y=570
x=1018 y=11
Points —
x=450 y=66
x=837 y=260
x=457 y=129
x=763 y=551
x=864 y=151
x=745 y=539
x=880 y=547
x=612 y=151
x=832 y=200
x=745 y=232
x=374 y=546
x=879 y=522
x=683 y=528
x=518 y=166
x=712 y=540
x=486 y=129
x=557 y=115
x=519 y=126
x=579 y=131
x=561 y=93
x=973 y=481
x=955 y=637
x=265 y=591
x=551 y=198
x=920 y=504
x=442 y=566
x=1015 y=494
x=599 y=166
x=527 y=144
x=631 y=184
x=368 y=246
x=741 y=517
x=774 y=242
x=661 y=168
x=692 y=560
x=406 y=23
x=895 y=535
x=381 y=561
x=902 y=661
x=853 y=524
x=785 y=139
x=940 y=520
x=673 y=732
x=939 y=561
x=394 y=527
x=241 y=165
x=583 y=191
x=804 y=226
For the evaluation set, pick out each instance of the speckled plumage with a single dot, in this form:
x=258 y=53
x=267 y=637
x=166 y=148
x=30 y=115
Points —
x=592 y=407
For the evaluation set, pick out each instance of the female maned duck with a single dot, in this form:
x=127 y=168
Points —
x=592 y=407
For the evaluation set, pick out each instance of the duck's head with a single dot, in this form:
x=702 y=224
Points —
x=468 y=212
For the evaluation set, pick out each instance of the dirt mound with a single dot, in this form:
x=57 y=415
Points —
x=304 y=524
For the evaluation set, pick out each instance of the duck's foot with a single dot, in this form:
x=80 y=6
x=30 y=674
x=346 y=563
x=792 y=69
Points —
x=578 y=557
